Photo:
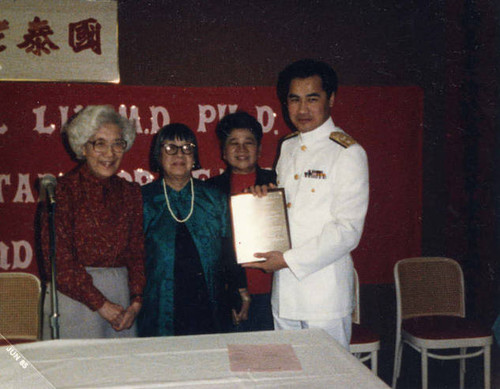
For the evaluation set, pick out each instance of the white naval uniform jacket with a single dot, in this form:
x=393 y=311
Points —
x=326 y=187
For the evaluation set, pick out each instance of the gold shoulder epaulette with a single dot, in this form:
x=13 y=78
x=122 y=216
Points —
x=293 y=134
x=342 y=139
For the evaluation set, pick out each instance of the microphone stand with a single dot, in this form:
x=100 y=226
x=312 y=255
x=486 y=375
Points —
x=54 y=318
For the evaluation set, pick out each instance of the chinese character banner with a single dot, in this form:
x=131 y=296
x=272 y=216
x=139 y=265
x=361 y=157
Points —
x=386 y=121
x=59 y=40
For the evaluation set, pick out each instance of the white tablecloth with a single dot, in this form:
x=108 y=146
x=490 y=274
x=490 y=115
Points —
x=179 y=362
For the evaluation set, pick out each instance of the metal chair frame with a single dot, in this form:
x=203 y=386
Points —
x=363 y=351
x=443 y=304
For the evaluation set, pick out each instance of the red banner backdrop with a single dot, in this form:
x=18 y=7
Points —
x=387 y=121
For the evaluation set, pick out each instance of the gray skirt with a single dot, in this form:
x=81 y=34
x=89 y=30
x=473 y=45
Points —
x=77 y=321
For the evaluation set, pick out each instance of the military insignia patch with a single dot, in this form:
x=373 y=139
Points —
x=342 y=139
x=319 y=174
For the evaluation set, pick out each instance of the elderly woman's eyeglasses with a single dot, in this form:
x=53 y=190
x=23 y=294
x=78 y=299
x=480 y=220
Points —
x=172 y=149
x=101 y=146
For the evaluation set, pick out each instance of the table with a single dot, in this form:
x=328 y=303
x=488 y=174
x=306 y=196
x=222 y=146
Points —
x=179 y=362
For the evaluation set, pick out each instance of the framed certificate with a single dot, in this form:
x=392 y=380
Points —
x=260 y=224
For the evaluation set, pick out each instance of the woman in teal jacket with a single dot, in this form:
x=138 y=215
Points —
x=189 y=260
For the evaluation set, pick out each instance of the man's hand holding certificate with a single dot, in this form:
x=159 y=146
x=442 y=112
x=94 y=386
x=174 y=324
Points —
x=273 y=261
x=260 y=229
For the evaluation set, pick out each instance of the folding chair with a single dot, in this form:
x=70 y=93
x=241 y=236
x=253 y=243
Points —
x=430 y=297
x=364 y=342
x=20 y=307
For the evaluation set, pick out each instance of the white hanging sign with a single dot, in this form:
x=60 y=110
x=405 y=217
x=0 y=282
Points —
x=59 y=40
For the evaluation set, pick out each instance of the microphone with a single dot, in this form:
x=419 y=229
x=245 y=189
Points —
x=48 y=184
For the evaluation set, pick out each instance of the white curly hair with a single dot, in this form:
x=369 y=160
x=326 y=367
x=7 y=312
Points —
x=88 y=121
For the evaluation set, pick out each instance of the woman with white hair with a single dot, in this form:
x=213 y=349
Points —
x=98 y=223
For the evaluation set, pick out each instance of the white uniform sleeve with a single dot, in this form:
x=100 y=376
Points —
x=348 y=208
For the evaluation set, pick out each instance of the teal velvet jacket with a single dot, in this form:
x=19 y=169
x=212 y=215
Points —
x=210 y=229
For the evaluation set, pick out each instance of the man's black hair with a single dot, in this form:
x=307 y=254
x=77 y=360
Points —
x=305 y=68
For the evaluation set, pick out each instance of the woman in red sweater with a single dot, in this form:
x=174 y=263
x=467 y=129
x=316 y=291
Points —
x=240 y=136
x=99 y=238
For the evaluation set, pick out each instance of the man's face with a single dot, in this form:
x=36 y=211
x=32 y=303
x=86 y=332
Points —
x=308 y=105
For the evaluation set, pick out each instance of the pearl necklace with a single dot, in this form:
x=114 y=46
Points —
x=170 y=209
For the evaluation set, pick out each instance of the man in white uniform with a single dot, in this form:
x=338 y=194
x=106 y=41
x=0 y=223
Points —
x=325 y=176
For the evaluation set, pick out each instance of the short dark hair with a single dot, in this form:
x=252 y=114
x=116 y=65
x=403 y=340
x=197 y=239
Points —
x=172 y=132
x=238 y=119
x=305 y=68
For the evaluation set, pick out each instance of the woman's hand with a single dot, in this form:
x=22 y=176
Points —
x=129 y=316
x=112 y=312
x=242 y=315
x=259 y=190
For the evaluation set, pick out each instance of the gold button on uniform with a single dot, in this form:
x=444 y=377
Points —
x=289 y=205
x=303 y=147
x=296 y=176
x=313 y=190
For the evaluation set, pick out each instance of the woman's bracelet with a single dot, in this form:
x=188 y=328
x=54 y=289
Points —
x=245 y=296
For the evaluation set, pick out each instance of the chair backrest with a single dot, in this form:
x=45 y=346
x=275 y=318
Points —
x=20 y=306
x=429 y=286
x=356 y=316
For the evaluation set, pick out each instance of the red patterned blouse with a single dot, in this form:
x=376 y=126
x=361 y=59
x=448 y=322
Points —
x=98 y=223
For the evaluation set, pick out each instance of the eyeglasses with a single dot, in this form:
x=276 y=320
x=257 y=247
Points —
x=172 y=149
x=101 y=146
